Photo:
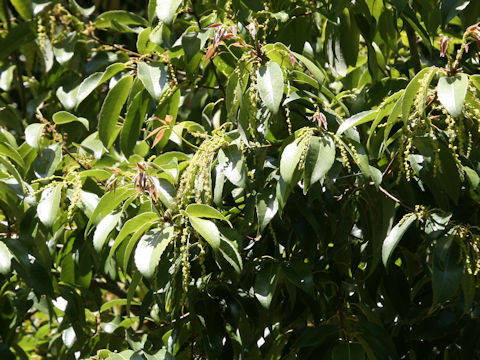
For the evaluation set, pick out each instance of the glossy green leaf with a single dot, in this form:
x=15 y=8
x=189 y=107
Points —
x=417 y=88
x=314 y=69
x=111 y=108
x=150 y=248
x=153 y=77
x=116 y=18
x=357 y=119
x=166 y=9
x=204 y=211
x=109 y=202
x=23 y=7
x=319 y=159
x=116 y=302
x=65 y=49
x=290 y=159
x=49 y=205
x=47 y=161
x=133 y=123
x=104 y=228
x=208 y=230
x=394 y=237
x=33 y=134
x=131 y=226
x=5 y=259
x=93 y=81
x=267 y=207
x=64 y=117
x=133 y=241
x=270 y=85
x=451 y=92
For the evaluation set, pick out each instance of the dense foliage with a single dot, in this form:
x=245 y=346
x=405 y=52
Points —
x=239 y=179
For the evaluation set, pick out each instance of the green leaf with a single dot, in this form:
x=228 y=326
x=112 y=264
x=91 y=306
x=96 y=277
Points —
x=153 y=77
x=394 y=237
x=65 y=49
x=314 y=69
x=136 y=278
x=290 y=159
x=111 y=108
x=115 y=302
x=412 y=92
x=451 y=92
x=64 y=117
x=5 y=259
x=93 y=81
x=12 y=170
x=133 y=122
x=107 y=204
x=19 y=35
x=229 y=252
x=150 y=248
x=133 y=241
x=104 y=228
x=166 y=9
x=232 y=162
x=447 y=269
x=119 y=19
x=357 y=119
x=6 y=77
x=266 y=283
x=208 y=230
x=33 y=134
x=267 y=207
x=472 y=177
x=23 y=7
x=204 y=211
x=270 y=85
x=8 y=150
x=47 y=208
x=47 y=162
x=131 y=226
x=319 y=159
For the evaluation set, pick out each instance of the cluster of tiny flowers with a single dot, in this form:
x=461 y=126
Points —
x=185 y=254
x=196 y=179
x=77 y=190
x=304 y=137
x=470 y=246
x=343 y=152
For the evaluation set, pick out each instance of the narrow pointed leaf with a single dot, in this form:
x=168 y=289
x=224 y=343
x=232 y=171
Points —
x=5 y=259
x=394 y=237
x=111 y=108
x=104 y=228
x=131 y=226
x=208 y=230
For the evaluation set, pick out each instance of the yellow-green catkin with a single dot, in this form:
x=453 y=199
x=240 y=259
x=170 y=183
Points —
x=343 y=153
x=287 y=111
x=77 y=190
x=304 y=137
x=406 y=164
x=185 y=262
x=195 y=183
